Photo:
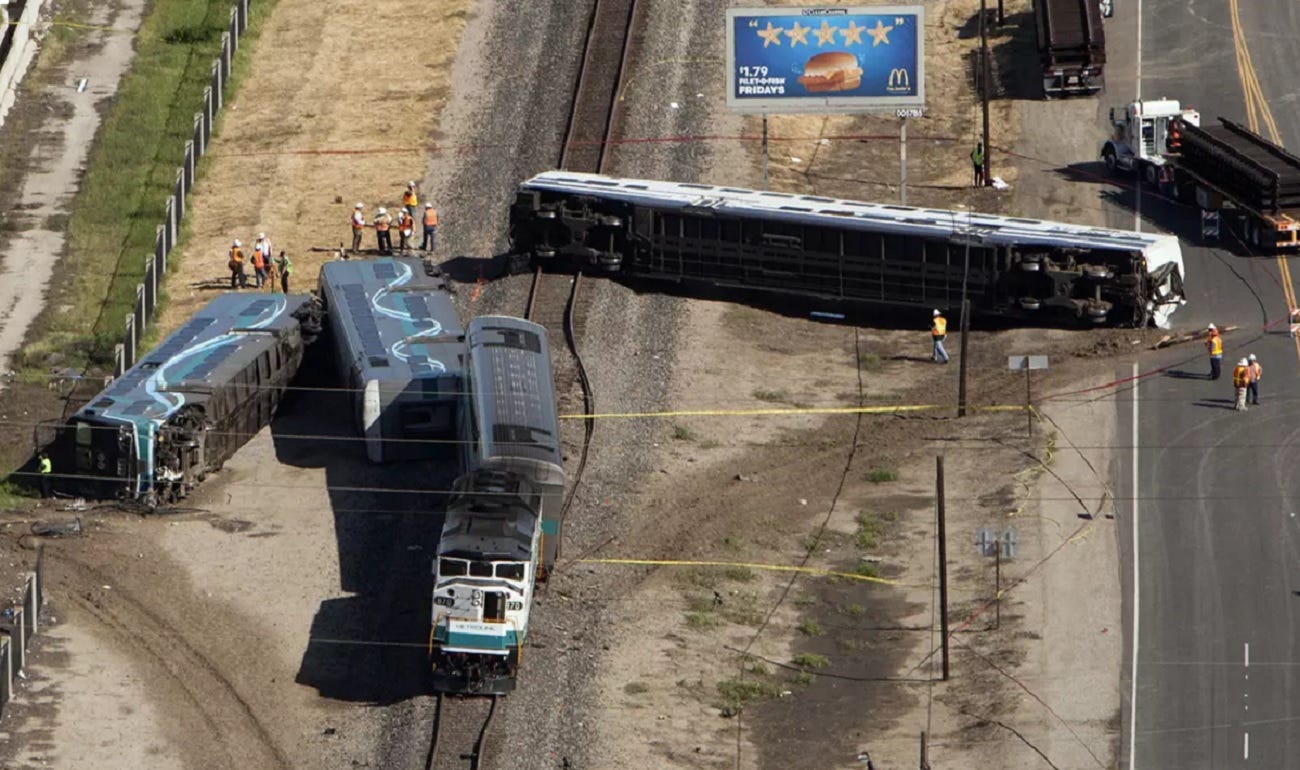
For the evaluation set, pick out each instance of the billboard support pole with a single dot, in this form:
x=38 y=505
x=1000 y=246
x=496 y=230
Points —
x=765 y=151
x=902 y=161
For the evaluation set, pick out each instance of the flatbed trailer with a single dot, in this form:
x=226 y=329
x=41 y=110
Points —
x=1071 y=46
x=1231 y=168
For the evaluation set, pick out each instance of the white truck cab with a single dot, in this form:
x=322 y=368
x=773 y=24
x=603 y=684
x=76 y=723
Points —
x=1140 y=136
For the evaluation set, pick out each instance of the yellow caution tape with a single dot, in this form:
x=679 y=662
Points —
x=769 y=567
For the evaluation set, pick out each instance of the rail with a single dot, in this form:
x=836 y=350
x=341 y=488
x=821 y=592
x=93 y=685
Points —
x=437 y=756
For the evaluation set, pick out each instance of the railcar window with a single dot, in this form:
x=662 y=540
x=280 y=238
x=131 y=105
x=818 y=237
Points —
x=480 y=569
x=84 y=432
x=451 y=567
x=510 y=571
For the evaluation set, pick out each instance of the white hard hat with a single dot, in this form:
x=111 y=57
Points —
x=261 y=236
x=383 y=210
x=1242 y=362
x=937 y=313
x=360 y=206
x=1212 y=327
x=410 y=184
x=428 y=205
x=1251 y=356
x=236 y=243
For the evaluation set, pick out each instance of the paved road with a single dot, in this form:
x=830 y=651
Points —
x=1217 y=505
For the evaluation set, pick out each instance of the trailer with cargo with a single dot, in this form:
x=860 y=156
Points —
x=1071 y=46
x=1228 y=171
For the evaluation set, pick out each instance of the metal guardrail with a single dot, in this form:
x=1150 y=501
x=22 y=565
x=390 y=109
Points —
x=146 y=293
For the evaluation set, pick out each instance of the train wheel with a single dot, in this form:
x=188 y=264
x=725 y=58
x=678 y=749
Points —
x=1098 y=272
x=1029 y=265
x=1030 y=303
x=1108 y=157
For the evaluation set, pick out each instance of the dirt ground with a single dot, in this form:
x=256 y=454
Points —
x=296 y=552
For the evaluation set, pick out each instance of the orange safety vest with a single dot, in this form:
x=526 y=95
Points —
x=1256 y=372
x=409 y=198
x=940 y=327
x=236 y=258
x=358 y=221
x=404 y=221
x=1215 y=345
x=259 y=263
x=430 y=217
x=1241 y=376
x=381 y=223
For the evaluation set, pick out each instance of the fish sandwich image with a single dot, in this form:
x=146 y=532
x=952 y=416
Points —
x=831 y=71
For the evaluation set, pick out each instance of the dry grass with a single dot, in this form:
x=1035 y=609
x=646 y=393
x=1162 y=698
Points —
x=327 y=116
x=938 y=144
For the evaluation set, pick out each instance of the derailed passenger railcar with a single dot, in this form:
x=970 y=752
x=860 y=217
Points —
x=399 y=347
x=847 y=256
x=190 y=403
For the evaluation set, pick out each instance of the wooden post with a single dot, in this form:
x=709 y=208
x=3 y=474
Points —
x=925 y=754
x=943 y=561
x=765 y=151
x=997 y=587
x=984 y=85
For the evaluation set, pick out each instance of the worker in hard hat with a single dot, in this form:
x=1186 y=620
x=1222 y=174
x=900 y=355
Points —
x=411 y=200
x=1214 y=345
x=430 y=227
x=358 y=225
x=1256 y=374
x=938 y=333
x=383 y=238
x=1241 y=381
x=238 y=279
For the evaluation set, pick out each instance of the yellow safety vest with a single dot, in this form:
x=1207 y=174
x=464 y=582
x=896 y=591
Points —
x=940 y=327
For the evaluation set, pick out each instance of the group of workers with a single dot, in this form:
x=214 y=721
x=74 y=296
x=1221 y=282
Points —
x=404 y=222
x=1245 y=375
x=266 y=268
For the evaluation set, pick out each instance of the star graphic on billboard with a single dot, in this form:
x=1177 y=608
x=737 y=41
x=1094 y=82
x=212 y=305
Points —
x=851 y=33
x=770 y=35
x=879 y=34
x=798 y=34
x=825 y=34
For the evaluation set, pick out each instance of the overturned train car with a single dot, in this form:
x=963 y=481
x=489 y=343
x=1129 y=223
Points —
x=191 y=402
x=847 y=256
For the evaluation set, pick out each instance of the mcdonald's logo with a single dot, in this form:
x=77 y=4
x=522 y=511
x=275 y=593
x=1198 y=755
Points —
x=899 y=80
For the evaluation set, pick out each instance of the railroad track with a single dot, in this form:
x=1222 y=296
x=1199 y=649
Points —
x=450 y=732
x=556 y=301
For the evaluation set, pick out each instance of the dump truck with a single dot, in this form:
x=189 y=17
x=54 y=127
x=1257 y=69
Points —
x=1228 y=171
x=1071 y=46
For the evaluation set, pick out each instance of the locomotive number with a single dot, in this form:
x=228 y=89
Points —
x=514 y=606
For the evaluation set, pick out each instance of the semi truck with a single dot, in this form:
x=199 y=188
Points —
x=1071 y=46
x=1251 y=183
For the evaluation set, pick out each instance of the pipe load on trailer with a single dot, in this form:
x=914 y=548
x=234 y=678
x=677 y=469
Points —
x=839 y=255
x=1071 y=46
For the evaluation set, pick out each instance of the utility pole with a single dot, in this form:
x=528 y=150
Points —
x=943 y=561
x=984 y=76
x=961 y=364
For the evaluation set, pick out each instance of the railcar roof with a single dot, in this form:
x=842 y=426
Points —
x=962 y=226
x=400 y=322
x=218 y=341
x=514 y=389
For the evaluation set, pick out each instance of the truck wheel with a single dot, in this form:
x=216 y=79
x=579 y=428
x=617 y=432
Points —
x=1108 y=157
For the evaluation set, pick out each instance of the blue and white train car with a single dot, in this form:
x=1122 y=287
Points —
x=847 y=256
x=191 y=402
x=503 y=526
x=400 y=350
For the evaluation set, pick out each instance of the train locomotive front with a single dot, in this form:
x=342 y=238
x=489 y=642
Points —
x=483 y=583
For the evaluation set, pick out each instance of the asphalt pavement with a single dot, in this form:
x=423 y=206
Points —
x=1216 y=507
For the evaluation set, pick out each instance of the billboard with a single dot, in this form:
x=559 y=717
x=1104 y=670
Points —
x=826 y=59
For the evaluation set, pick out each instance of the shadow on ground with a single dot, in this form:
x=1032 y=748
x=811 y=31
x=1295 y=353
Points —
x=369 y=647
